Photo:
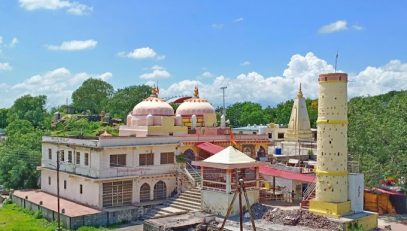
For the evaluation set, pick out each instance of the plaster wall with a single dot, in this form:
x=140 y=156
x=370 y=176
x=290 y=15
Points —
x=356 y=191
x=169 y=180
x=133 y=167
x=217 y=202
x=332 y=186
x=91 y=191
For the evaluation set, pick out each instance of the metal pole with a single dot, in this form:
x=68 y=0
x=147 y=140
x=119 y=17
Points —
x=247 y=203
x=240 y=209
x=59 y=215
x=223 y=91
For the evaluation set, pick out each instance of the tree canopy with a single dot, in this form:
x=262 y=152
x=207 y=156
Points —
x=125 y=99
x=30 y=108
x=92 y=96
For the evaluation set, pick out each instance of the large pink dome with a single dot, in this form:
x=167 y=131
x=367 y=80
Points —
x=154 y=106
x=195 y=106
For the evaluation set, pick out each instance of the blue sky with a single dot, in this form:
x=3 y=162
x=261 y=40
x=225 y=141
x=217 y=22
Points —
x=51 y=46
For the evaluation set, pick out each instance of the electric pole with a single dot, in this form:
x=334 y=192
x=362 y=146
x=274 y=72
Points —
x=223 y=92
x=59 y=215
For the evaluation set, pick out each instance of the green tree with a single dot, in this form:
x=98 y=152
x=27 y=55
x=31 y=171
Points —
x=242 y=114
x=3 y=117
x=31 y=108
x=20 y=154
x=125 y=99
x=92 y=96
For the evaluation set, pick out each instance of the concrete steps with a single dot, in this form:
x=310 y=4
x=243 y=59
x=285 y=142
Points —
x=185 y=202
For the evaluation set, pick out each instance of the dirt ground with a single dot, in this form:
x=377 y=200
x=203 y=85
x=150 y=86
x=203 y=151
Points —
x=396 y=222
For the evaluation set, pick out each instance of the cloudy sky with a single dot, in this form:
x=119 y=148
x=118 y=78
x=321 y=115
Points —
x=260 y=50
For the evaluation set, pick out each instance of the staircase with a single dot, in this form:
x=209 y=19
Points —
x=194 y=173
x=184 y=203
x=309 y=194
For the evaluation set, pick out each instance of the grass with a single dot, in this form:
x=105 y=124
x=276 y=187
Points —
x=15 y=218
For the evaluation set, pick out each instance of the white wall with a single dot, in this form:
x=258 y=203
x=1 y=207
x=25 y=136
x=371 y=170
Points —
x=356 y=191
x=91 y=191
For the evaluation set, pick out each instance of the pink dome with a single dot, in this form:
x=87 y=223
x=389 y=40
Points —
x=154 y=106
x=195 y=106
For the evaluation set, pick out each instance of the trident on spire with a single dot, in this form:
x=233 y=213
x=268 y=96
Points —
x=336 y=60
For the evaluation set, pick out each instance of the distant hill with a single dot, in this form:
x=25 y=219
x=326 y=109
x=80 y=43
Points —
x=377 y=134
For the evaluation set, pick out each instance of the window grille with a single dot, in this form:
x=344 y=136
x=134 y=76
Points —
x=118 y=160
x=78 y=158
x=69 y=156
x=160 y=191
x=145 y=192
x=167 y=158
x=146 y=159
x=86 y=159
x=117 y=193
x=49 y=153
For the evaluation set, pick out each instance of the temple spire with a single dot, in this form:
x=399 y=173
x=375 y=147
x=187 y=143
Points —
x=299 y=94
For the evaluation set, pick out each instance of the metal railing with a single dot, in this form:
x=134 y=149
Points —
x=308 y=191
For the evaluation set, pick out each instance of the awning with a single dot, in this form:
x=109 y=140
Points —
x=209 y=147
x=270 y=171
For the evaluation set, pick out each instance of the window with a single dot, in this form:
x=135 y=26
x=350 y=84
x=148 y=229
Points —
x=146 y=159
x=49 y=180
x=145 y=192
x=69 y=156
x=61 y=155
x=78 y=158
x=167 y=158
x=64 y=184
x=80 y=189
x=86 y=159
x=160 y=191
x=118 y=193
x=281 y=135
x=270 y=135
x=49 y=153
x=118 y=160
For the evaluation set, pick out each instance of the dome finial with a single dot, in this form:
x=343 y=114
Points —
x=155 y=91
x=196 y=92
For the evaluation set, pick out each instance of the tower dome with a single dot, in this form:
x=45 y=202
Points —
x=195 y=106
x=153 y=105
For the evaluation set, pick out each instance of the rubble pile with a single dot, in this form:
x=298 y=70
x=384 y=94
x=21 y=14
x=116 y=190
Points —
x=299 y=217
x=258 y=210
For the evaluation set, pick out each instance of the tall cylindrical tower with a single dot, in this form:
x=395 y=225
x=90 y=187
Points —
x=332 y=146
x=332 y=149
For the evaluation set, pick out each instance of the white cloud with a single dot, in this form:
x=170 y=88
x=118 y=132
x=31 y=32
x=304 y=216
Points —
x=156 y=73
x=245 y=63
x=358 y=27
x=334 y=27
x=207 y=74
x=238 y=20
x=13 y=42
x=5 y=67
x=217 y=26
x=142 y=53
x=71 y=7
x=57 y=84
x=74 y=45
x=303 y=69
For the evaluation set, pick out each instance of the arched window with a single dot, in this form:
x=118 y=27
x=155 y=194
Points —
x=145 y=192
x=160 y=191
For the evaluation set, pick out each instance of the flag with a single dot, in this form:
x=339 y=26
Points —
x=232 y=139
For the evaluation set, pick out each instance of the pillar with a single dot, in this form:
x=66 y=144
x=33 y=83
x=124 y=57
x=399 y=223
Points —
x=332 y=175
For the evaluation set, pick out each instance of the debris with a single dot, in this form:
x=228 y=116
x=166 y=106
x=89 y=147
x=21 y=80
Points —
x=299 y=217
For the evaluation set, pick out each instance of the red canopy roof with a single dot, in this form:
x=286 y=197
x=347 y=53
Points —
x=270 y=171
x=209 y=147
x=388 y=192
